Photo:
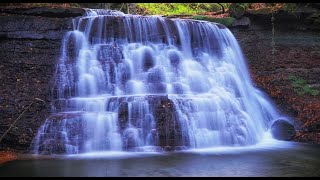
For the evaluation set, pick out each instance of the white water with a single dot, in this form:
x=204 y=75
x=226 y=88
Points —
x=110 y=65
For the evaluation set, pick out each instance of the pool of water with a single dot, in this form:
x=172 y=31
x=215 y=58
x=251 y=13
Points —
x=279 y=159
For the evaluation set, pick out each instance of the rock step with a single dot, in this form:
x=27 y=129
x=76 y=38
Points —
x=45 y=11
x=90 y=103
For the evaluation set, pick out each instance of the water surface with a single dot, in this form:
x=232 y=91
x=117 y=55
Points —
x=286 y=159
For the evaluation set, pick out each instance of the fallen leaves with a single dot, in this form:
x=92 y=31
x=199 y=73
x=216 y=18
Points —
x=6 y=156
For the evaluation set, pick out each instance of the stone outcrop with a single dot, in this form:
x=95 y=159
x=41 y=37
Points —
x=296 y=52
x=45 y=12
x=241 y=22
x=59 y=139
x=30 y=42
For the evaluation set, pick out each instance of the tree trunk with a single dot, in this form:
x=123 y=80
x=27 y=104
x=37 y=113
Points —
x=222 y=8
x=128 y=6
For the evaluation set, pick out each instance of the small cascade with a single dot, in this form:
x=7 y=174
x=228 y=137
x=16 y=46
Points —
x=149 y=83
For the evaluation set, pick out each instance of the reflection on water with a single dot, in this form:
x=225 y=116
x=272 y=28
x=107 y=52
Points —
x=282 y=159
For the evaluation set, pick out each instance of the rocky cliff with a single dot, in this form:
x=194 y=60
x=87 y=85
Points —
x=295 y=53
x=30 y=42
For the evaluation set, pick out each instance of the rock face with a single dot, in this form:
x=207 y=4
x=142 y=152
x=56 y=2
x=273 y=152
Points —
x=296 y=52
x=67 y=132
x=242 y=22
x=282 y=130
x=30 y=46
x=45 y=12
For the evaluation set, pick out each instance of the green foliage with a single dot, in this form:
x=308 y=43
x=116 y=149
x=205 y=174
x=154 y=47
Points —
x=74 y=5
x=177 y=8
x=290 y=7
x=301 y=87
x=227 y=21
x=237 y=10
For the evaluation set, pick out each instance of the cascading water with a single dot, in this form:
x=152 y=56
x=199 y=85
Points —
x=127 y=82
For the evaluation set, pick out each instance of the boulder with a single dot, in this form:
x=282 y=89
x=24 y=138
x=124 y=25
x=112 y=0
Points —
x=282 y=130
x=242 y=22
x=148 y=59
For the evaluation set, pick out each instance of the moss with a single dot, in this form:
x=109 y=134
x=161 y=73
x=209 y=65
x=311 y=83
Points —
x=301 y=87
x=227 y=21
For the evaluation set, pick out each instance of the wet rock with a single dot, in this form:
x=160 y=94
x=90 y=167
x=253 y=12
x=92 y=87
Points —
x=147 y=59
x=156 y=75
x=123 y=115
x=130 y=138
x=178 y=88
x=110 y=52
x=180 y=148
x=62 y=116
x=158 y=87
x=221 y=26
x=174 y=58
x=125 y=72
x=59 y=133
x=283 y=130
x=168 y=148
x=242 y=22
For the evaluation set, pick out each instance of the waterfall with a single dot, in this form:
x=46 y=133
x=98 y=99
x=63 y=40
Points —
x=146 y=83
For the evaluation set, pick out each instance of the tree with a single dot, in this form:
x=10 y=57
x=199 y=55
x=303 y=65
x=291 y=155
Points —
x=222 y=8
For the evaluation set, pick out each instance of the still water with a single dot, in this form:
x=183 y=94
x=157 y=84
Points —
x=280 y=159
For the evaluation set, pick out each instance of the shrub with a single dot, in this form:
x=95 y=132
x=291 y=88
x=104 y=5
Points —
x=237 y=10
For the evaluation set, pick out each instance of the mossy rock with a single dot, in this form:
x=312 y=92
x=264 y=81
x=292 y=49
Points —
x=227 y=21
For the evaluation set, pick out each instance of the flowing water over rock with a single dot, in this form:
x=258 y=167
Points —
x=148 y=83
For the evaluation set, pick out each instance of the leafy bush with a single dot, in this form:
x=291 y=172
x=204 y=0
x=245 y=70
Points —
x=301 y=87
x=177 y=8
x=237 y=10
